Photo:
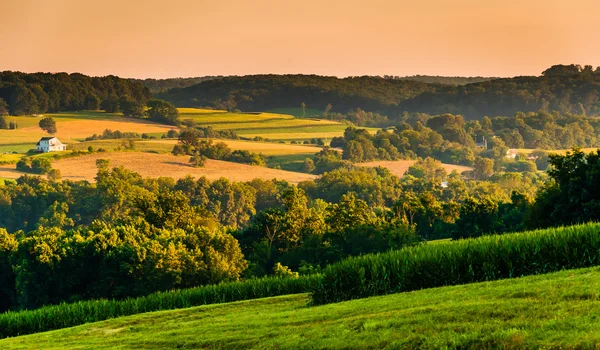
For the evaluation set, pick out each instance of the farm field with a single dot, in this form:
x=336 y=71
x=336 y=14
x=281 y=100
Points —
x=399 y=167
x=274 y=126
x=556 y=151
x=158 y=165
x=557 y=310
x=73 y=127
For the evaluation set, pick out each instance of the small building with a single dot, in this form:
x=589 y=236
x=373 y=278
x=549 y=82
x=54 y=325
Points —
x=50 y=144
x=511 y=153
x=482 y=144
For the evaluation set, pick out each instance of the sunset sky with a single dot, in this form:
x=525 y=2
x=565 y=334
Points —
x=182 y=38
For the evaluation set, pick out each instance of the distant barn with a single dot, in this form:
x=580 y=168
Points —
x=50 y=144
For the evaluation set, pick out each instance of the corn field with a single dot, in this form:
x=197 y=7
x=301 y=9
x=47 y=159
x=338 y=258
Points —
x=67 y=315
x=475 y=260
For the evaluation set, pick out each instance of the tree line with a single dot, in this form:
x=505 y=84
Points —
x=125 y=235
x=566 y=89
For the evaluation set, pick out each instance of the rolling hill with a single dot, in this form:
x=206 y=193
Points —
x=557 y=310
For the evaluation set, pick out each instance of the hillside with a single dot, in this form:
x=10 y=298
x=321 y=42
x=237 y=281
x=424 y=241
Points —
x=571 y=92
x=161 y=85
x=549 y=311
x=265 y=92
x=162 y=165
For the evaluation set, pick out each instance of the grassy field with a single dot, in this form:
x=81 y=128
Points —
x=157 y=165
x=72 y=127
x=558 y=310
x=273 y=125
x=399 y=167
x=556 y=151
x=297 y=111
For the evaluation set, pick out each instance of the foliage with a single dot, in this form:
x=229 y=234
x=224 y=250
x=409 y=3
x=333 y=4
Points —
x=68 y=315
x=163 y=112
x=108 y=134
x=482 y=259
x=573 y=195
x=42 y=92
x=49 y=125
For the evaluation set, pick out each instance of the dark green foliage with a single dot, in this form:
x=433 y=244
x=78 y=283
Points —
x=264 y=92
x=113 y=135
x=162 y=85
x=3 y=109
x=49 y=125
x=3 y=123
x=42 y=92
x=190 y=144
x=393 y=96
x=574 y=195
x=131 y=107
x=483 y=259
x=163 y=112
x=13 y=324
x=38 y=165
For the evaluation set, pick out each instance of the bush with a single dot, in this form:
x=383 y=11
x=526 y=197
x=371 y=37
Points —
x=474 y=260
x=13 y=324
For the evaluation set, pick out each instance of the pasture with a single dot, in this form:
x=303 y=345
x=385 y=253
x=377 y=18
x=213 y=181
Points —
x=163 y=165
x=72 y=127
x=557 y=310
x=273 y=126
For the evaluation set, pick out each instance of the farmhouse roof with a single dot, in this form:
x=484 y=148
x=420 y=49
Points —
x=46 y=138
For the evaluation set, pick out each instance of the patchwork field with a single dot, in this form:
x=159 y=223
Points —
x=159 y=165
x=268 y=125
x=558 y=310
x=73 y=127
x=399 y=167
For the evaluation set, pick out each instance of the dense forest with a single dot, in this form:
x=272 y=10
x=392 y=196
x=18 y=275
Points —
x=45 y=92
x=162 y=85
x=565 y=89
x=263 y=92
x=436 y=79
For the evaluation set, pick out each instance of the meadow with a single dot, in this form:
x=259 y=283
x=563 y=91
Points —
x=274 y=126
x=74 y=314
x=155 y=165
x=558 y=310
x=73 y=127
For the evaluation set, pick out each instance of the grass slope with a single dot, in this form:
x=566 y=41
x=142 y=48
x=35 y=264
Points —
x=550 y=311
x=157 y=165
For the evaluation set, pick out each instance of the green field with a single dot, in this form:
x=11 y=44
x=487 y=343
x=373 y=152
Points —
x=558 y=310
x=297 y=111
x=272 y=125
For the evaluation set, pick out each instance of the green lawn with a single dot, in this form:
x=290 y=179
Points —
x=559 y=310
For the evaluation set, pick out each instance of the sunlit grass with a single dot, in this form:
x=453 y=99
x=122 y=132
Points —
x=558 y=310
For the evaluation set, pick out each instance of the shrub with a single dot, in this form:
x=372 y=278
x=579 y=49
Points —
x=473 y=260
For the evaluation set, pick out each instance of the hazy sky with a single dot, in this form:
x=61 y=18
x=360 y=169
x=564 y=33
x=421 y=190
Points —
x=172 y=38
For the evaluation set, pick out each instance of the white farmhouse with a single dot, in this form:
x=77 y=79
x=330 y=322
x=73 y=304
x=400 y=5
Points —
x=50 y=144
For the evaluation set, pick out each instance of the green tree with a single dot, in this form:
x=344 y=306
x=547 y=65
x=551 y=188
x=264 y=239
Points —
x=163 y=112
x=303 y=106
x=131 y=107
x=483 y=168
x=3 y=108
x=48 y=124
x=92 y=102
x=23 y=101
x=3 y=123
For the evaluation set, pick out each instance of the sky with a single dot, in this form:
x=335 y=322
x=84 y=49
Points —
x=185 y=38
